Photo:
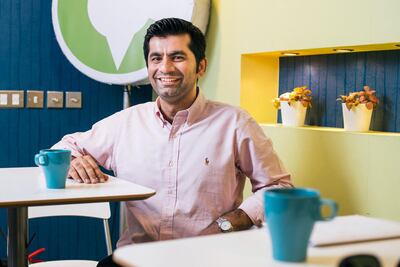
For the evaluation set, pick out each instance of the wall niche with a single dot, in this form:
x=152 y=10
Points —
x=332 y=75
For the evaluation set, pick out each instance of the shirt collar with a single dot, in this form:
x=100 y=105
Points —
x=157 y=112
x=196 y=109
x=193 y=112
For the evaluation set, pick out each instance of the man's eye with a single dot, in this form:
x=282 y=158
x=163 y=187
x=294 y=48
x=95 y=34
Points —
x=178 y=58
x=155 y=59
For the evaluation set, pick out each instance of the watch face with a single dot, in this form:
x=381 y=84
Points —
x=226 y=226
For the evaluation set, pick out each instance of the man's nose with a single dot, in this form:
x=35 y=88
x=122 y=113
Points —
x=166 y=66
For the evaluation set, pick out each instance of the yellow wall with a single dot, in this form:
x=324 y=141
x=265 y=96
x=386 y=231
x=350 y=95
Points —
x=357 y=170
x=241 y=27
x=259 y=74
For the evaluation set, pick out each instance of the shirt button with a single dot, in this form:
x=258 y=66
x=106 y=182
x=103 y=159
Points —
x=171 y=163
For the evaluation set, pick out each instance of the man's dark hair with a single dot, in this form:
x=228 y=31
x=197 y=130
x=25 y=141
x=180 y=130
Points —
x=176 y=26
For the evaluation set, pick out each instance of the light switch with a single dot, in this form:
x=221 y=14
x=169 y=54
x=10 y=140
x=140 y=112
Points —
x=73 y=99
x=3 y=99
x=35 y=99
x=17 y=99
x=55 y=99
x=12 y=99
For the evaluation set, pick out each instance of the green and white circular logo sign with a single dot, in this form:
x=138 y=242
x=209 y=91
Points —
x=104 y=38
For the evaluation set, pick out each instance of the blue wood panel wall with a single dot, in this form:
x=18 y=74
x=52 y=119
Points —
x=332 y=75
x=30 y=58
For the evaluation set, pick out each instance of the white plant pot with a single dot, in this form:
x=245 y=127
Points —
x=294 y=114
x=357 y=119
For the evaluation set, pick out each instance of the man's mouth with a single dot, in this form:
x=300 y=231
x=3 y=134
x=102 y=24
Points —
x=168 y=80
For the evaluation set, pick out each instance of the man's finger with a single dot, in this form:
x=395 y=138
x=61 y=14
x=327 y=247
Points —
x=104 y=178
x=74 y=175
x=90 y=171
x=100 y=175
x=80 y=169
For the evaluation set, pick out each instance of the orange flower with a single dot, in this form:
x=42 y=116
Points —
x=302 y=94
x=276 y=103
x=367 y=97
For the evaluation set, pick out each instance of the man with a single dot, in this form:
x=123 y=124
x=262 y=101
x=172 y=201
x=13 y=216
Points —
x=194 y=152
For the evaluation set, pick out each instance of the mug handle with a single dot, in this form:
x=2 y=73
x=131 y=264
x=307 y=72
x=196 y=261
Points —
x=41 y=160
x=332 y=204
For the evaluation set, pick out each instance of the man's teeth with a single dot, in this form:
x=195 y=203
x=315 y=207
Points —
x=168 y=80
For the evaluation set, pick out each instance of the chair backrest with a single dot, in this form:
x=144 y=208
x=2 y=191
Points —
x=99 y=210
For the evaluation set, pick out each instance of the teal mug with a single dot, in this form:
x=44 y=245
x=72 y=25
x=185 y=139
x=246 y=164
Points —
x=55 y=164
x=290 y=215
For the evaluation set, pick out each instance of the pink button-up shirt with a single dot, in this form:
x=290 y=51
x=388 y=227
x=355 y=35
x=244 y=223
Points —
x=197 y=165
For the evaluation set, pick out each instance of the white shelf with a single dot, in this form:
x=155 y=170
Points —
x=329 y=129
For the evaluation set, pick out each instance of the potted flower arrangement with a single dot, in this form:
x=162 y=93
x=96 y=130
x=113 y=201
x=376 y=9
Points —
x=357 y=109
x=293 y=106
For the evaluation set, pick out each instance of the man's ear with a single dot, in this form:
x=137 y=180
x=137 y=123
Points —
x=201 y=70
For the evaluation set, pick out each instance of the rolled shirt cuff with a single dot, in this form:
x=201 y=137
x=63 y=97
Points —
x=254 y=208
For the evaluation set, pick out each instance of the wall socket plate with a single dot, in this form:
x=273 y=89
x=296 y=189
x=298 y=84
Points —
x=11 y=99
x=3 y=99
x=55 y=99
x=34 y=99
x=73 y=99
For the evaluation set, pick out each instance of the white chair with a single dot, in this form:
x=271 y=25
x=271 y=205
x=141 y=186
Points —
x=92 y=210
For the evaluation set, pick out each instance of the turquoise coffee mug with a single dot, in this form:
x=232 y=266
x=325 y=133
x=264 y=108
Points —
x=55 y=165
x=290 y=215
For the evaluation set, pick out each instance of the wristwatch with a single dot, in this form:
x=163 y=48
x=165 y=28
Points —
x=224 y=225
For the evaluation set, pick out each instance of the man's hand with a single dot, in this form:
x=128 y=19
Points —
x=213 y=228
x=238 y=218
x=84 y=169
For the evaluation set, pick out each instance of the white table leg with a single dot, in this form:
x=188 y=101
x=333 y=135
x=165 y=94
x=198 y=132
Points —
x=17 y=237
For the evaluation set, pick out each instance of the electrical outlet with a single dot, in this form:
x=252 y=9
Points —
x=55 y=99
x=73 y=99
x=35 y=99
x=12 y=99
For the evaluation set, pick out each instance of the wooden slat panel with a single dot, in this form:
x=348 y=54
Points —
x=30 y=58
x=396 y=97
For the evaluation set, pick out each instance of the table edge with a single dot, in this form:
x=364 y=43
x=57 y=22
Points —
x=79 y=200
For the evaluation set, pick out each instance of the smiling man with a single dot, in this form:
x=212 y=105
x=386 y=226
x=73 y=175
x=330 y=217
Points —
x=173 y=72
x=194 y=152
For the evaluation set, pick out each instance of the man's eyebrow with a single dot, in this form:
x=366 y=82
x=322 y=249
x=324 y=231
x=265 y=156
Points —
x=176 y=53
x=152 y=54
x=171 y=54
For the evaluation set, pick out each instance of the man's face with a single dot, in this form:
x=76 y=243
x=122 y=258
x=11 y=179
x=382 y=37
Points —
x=172 y=67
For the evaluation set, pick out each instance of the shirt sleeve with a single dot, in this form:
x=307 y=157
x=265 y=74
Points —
x=257 y=160
x=98 y=142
